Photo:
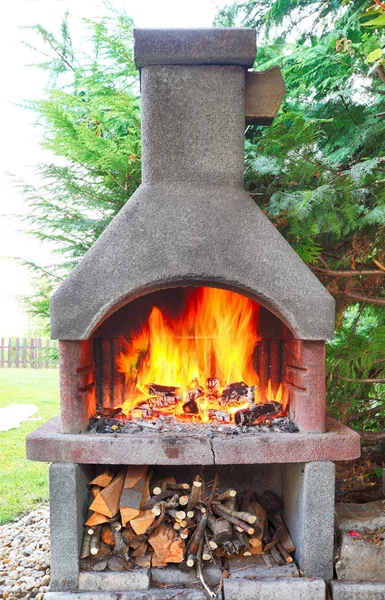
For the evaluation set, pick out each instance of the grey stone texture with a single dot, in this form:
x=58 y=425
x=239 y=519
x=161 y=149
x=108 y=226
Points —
x=68 y=506
x=219 y=46
x=137 y=579
x=254 y=567
x=360 y=559
x=184 y=234
x=181 y=575
x=274 y=589
x=193 y=124
x=309 y=515
x=48 y=444
x=354 y=590
x=360 y=517
x=264 y=93
x=191 y=222
x=165 y=594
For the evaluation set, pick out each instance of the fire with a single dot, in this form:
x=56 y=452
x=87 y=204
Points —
x=190 y=366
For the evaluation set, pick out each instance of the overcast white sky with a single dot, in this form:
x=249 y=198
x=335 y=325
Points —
x=19 y=149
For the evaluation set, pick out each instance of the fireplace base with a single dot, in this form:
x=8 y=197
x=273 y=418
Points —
x=239 y=589
x=48 y=444
x=307 y=490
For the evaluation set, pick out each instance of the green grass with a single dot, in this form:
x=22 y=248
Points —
x=23 y=483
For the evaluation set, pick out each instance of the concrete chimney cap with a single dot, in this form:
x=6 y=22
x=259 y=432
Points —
x=211 y=46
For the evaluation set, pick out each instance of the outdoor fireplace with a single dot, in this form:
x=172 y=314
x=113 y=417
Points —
x=191 y=333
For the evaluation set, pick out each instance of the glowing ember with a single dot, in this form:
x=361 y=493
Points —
x=198 y=366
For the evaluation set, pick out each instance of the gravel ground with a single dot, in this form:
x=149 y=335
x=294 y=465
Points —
x=24 y=557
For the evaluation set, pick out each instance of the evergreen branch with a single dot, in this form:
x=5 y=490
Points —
x=366 y=413
x=361 y=298
x=346 y=273
x=379 y=380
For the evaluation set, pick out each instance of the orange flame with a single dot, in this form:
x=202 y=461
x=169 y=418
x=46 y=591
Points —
x=214 y=337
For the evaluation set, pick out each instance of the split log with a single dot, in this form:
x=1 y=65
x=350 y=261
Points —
x=103 y=480
x=222 y=416
x=132 y=494
x=168 y=546
x=107 y=501
x=141 y=550
x=142 y=522
x=121 y=547
x=260 y=513
x=248 y=416
x=96 y=519
x=222 y=530
x=256 y=545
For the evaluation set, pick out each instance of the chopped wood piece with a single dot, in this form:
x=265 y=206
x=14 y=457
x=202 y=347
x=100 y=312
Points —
x=286 y=540
x=195 y=494
x=198 y=535
x=141 y=550
x=191 y=407
x=222 y=530
x=107 y=535
x=190 y=562
x=164 y=494
x=99 y=565
x=134 y=474
x=276 y=556
x=95 y=541
x=144 y=561
x=121 y=547
x=222 y=416
x=248 y=416
x=117 y=564
x=96 y=519
x=237 y=393
x=86 y=549
x=142 y=522
x=243 y=516
x=234 y=520
x=168 y=546
x=226 y=495
x=256 y=545
x=131 y=498
x=260 y=513
x=107 y=501
x=103 y=480
x=160 y=518
x=183 y=500
x=284 y=553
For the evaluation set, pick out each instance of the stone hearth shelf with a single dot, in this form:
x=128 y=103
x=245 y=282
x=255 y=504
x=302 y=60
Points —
x=48 y=444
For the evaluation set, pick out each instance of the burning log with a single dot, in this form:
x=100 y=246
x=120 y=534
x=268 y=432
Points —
x=237 y=393
x=164 y=395
x=248 y=416
x=222 y=416
x=213 y=385
x=191 y=407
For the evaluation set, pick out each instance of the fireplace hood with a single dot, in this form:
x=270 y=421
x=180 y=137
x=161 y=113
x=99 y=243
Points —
x=191 y=222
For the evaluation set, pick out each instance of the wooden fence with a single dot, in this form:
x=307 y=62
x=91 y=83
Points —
x=28 y=353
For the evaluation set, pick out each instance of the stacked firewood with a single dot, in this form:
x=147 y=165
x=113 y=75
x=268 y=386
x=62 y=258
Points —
x=130 y=524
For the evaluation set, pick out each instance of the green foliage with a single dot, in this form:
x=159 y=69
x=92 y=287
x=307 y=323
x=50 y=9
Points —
x=318 y=172
x=90 y=119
